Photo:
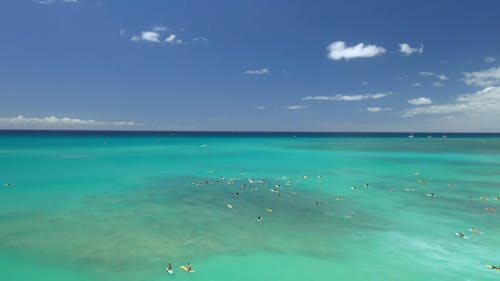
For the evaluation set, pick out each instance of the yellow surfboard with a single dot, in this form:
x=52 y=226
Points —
x=185 y=268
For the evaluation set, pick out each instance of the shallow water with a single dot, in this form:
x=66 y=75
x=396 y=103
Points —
x=119 y=207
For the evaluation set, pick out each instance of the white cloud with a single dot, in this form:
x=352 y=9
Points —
x=482 y=104
x=48 y=2
x=258 y=71
x=149 y=36
x=55 y=121
x=489 y=59
x=416 y=84
x=438 y=84
x=159 y=28
x=296 y=107
x=339 y=50
x=364 y=83
x=122 y=32
x=378 y=109
x=172 y=39
x=426 y=73
x=43 y=2
x=488 y=77
x=200 y=39
x=420 y=101
x=438 y=76
x=348 y=97
x=407 y=50
x=260 y=107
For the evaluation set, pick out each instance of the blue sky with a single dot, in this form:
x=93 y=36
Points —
x=250 y=65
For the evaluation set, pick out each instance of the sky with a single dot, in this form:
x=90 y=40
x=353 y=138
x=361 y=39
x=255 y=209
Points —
x=404 y=66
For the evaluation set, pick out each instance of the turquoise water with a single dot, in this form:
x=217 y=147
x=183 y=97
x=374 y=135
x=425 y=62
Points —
x=120 y=207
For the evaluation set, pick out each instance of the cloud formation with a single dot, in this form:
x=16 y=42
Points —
x=378 y=109
x=339 y=50
x=258 y=71
x=296 y=107
x=154 y=35
x=489 y=59
x=484 y=78
x=172 y=39
x=348 y=97
x=149 y=36
x=482 y=103
x=55 y=121
x=420 y=101
x=48 y=2
x=438 y=76
x=426 y=73
x=407 y=50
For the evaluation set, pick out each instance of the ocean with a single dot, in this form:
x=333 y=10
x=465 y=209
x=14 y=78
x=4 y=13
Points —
x=248 y=206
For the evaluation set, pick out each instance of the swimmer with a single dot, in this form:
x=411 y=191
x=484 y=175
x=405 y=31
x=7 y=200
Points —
x=279 y=195
x=460 y=234
x=339 y=198
x=294 y=193
x=431 y=195
x=475 y=230
x=189 y=268
x=8 y=184
x=491 y=210
x=354 y=188
x=269 y=210
x=229 y=206
x=365 y=185
x=170 y=268
x=259 y=219
x=237 y=194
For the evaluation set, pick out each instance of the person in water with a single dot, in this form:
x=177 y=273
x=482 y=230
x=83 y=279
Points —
x=189 y=268
x=259 y=219
x=169 y=267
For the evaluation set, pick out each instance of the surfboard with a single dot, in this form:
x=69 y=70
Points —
x=183 y=267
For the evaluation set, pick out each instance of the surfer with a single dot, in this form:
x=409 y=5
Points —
x=491 y=210
x=189 y=268
x=461 y=234
x=170 y=267
x=493 y=267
